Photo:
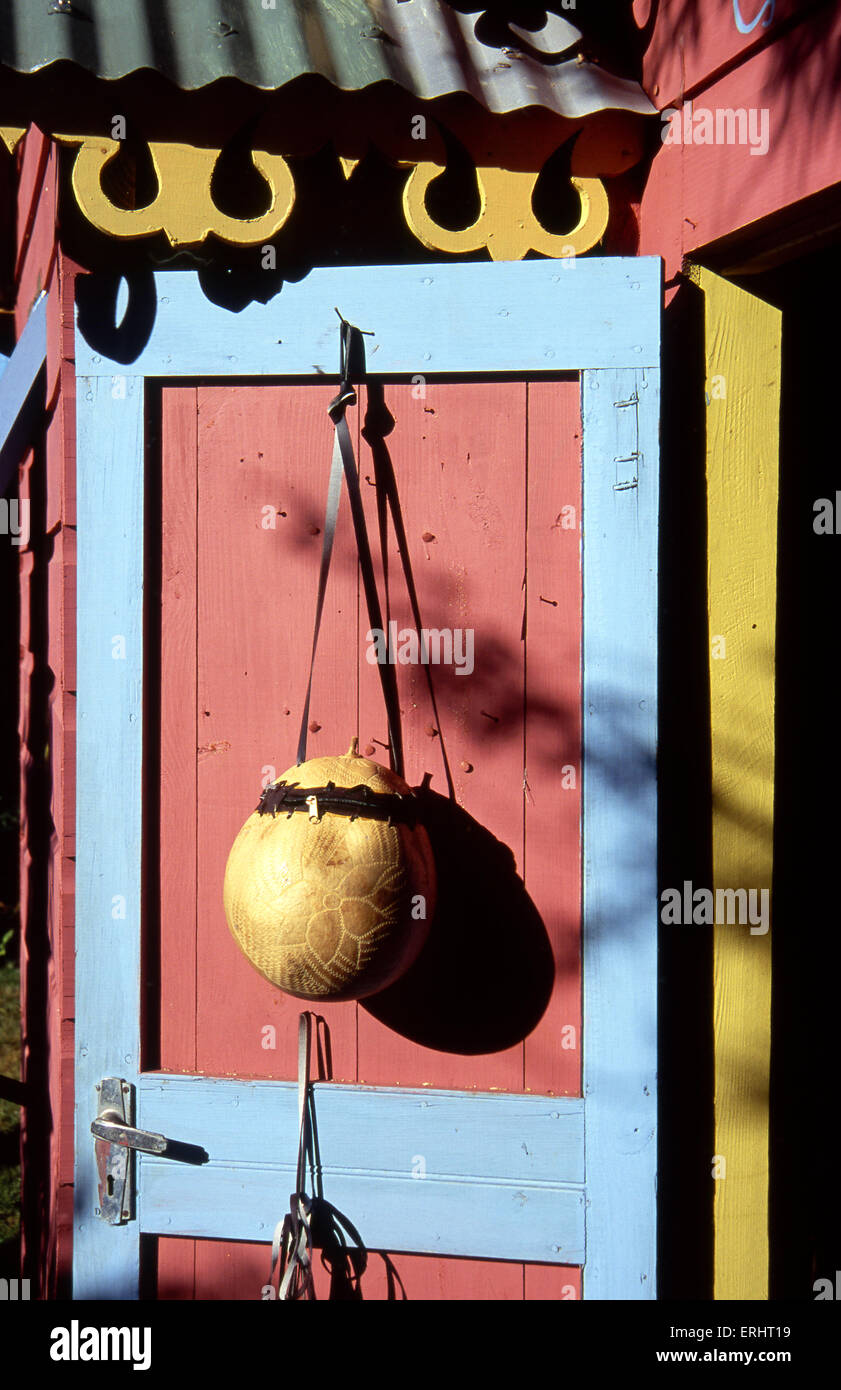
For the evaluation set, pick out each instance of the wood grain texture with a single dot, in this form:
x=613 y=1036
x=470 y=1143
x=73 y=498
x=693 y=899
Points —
x=183 y=207
x=20 y=401
x=688 y=49
x=178 y=737
x=531 y=317
x=177 y=1260
x=459 y=455
x=621 y=427
x=44 y=287
x=37 y=250
x=177 y=849
x=110 y=725
x=743 y=342
x=264 y=455
x=61 y=520
x=552 y=756
x=506 y=224
x=461 y=1135
x=501 y=1175
x=241 y=1274
x=697 y=194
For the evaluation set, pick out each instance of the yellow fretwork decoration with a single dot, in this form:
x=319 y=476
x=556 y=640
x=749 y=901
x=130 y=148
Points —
x=183 y=208
x=506 y=224
x=11 y=135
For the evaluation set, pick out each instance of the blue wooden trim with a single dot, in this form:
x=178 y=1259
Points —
x=20 y=399
x=461 y=1134
x=523 y=316
x=619 y=1030
x=452 y=1173
x=108 y=795
x=469 y=318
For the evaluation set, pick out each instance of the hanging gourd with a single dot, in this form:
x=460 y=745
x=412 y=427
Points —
x=330 y=884
x=331 y=900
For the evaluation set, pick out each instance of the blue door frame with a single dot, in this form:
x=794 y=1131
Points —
x=526 y=1178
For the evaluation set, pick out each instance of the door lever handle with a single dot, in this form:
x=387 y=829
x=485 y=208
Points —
x=112 y=1127
x=116 y=1137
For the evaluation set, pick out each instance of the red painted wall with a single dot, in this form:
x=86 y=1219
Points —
x=47 y=733
x=699 y=193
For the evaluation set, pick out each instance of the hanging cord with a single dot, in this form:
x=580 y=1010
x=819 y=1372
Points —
x=378 y=423
x=311 y=1222
x=292 y=1244
x=351 y=356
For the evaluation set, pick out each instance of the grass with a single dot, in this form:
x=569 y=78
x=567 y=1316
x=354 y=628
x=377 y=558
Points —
x=9 y=1124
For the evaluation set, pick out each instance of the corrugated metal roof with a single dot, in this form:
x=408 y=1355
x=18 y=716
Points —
x=426 y=46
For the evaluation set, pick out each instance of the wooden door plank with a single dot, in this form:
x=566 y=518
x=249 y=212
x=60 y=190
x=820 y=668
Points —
x=178 y=638
x=463 y=1135
x=242 y=1272
x=620 y=509
x=553 y=722
x=491 y=1220
x=177 y=819
x=264 y=456
x=555 y=1283
x=177 y=1275
x=743 y=345
x=497 y=1177
x=458 y=453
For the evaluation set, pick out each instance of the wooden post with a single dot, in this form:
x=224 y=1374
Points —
x=743 y=337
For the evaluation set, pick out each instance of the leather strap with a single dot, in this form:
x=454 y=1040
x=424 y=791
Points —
x=311 y=1222
x=377 y=416
x=351 y=350
x=292 y=1243
x=392 y=807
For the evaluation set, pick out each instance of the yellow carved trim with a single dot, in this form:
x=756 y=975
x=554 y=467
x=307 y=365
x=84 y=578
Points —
x=183 y=208
x=11 y=135
x=506 y=224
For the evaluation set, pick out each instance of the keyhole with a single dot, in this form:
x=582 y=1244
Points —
x=109 y=1182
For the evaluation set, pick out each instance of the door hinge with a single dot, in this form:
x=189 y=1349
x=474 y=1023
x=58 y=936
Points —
x=623 y=481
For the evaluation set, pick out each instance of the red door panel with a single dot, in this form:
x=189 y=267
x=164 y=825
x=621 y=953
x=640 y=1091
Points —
x=487 y=474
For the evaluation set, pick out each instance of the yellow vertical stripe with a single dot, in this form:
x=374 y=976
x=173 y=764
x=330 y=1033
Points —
x=742 y=336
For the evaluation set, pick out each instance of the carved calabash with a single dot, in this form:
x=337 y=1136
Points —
x=330 y=909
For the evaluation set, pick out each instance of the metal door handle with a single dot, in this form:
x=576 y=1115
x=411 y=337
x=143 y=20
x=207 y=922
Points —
x=116 y=1136
x=112 y=1127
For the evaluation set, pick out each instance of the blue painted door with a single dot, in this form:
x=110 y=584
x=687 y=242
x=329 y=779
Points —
x=546 y=1180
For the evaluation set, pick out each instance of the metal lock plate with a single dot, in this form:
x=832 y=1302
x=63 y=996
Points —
x=116 y=1139
x=114 y=1162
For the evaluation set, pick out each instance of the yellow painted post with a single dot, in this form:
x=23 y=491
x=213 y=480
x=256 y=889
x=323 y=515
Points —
x=743 y=337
